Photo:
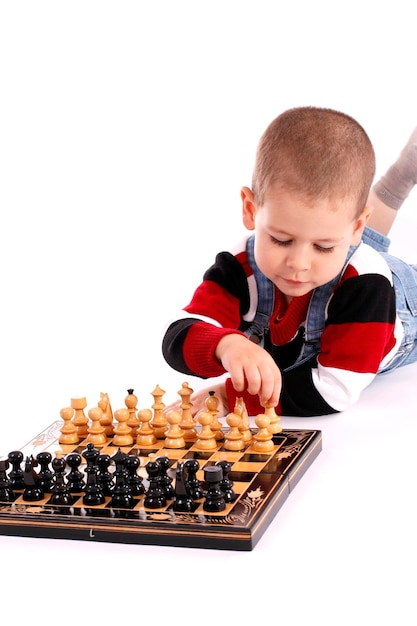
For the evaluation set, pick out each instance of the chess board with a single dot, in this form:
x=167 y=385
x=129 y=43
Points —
x=261 y=481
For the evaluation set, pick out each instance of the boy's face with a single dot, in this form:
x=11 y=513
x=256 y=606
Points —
x=301 y=244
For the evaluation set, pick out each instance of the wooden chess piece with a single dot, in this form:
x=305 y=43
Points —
x=263 y=438
x=174 y=436
x=233 y=437
x=69 y=433
x=145 y=436
x=60 y=492
x=122 y=432
x=274 y=420
x=96 y=431
x=212 y=403
x=80 y=420
x=6 y=491
x=131 y=402
x=107 y=419
x=206 y=437
x=214 y=501
x=159 y=421
x=244 y=426
x=187 y=423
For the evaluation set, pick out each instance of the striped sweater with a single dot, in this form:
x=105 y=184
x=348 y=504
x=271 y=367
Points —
x=361 y=335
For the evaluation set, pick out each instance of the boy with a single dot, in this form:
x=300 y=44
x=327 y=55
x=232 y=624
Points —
x=305 y=313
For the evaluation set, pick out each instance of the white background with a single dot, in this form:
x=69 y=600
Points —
x=126 y=132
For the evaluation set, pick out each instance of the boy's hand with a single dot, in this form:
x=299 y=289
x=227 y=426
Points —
x=251 y=368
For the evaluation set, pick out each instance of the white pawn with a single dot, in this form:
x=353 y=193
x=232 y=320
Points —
x=145 y=435
x=274 y=420
x=233 y=437
x=96 y=431
x=69 y=434
x=263 y=438
x=122 y=432
x=174 y=436
x=206 y=437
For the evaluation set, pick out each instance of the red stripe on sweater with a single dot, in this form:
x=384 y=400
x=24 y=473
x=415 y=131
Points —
x=360 y=347
x=223 y=307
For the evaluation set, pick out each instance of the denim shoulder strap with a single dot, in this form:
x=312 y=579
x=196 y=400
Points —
x=316 y=315
x=266 y=296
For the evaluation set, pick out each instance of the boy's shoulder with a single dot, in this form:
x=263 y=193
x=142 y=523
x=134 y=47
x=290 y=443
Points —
x=367 y=260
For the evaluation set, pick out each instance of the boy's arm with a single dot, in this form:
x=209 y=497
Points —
x=217 y=308
x=360 y=335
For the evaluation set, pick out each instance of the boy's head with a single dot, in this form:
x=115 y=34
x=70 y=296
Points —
x=308 y=204
x=316 y=152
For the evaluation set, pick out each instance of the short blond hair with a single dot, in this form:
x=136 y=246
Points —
x=317 y=152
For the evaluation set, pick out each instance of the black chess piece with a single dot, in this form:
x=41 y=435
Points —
x=91 y=455
x=214 y=501
x=60 y=492
x=226 y=485
x=6 y=491
x=45 y=475
x=165 y=481
x=134 y=481
x=155 y=497
x=121 y=495
x=105 y=477
x=16 y=474
x=183 y=502
x=93 y=493
x=194 y=487
x=32 y=491
x=75 y=478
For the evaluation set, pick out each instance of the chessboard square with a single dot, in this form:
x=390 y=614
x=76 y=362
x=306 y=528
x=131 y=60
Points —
x=172 y=453
x=40 y=502
x=226 y=455
x=240 y=487
x=251 y=455
x=244 y=466
x=242 y=475
x=69 y=449
x=198 y=455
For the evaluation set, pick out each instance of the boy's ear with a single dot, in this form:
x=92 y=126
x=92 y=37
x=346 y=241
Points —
x=361 y=222
x=248 y=208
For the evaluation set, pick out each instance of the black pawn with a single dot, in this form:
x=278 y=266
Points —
x=60 y=492
x=214 y=501
x=183 y=502
x=105 y=477
x=46 y=476
x=194 y=487
x=122 y=495
x=134 y=481
x=32 y=492
x=16 y=474
x=75 y=478
x=165 y=482
x=6 y=492
x=155 y=498
x=226 y=485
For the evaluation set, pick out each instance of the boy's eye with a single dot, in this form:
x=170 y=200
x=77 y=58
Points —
x=321 y=249
x=280 y=242
x=288 y=242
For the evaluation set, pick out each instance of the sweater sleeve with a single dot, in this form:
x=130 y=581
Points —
x=216 y=309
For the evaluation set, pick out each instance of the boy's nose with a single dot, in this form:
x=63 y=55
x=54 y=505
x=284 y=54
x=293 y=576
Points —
x=298 y=258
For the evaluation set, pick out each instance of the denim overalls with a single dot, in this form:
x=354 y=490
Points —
x=405 y=284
